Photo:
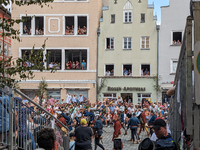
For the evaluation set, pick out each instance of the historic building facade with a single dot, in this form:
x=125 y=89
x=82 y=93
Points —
x=70 y=27
x=128 y=51
x=171 y=35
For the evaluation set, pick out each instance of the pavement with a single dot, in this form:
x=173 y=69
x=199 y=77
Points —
x=128 y=145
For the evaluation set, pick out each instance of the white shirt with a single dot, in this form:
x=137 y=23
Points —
x=81 y=99
x=142 y=73
x=131 y=110
x=50 y=65
x=108 y=73
x=69 y=97
x=73 y=99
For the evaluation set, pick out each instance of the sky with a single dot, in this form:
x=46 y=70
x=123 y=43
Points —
x=157 y=9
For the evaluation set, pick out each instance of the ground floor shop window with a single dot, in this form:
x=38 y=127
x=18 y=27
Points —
x=128 y=97
x=143 y=97
x=78 y=93
x=55 y=94
x=109 y=96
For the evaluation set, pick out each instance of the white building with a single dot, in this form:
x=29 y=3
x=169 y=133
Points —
x=173 y=20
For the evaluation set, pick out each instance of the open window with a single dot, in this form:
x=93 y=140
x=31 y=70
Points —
x=177 y=38
x=26 y=25
x=145 y=70
x=39 y=25
x=113 y=18
x=142 y=18
x=109 y=43
x=127 y=70
x=54 y=59
x=82 y=25
x=69 y=23
x=109 y=70
x=34 y=64
x=76 y=59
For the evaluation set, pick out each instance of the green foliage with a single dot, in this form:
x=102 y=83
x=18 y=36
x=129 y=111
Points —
x=156 y=86
x=103 y=85
x=12 y=67
x=42 y=90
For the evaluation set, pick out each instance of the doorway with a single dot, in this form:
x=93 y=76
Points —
x=127 y=96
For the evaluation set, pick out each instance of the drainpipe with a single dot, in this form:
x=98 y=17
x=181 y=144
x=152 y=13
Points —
x=158 y=29
x=97 y=85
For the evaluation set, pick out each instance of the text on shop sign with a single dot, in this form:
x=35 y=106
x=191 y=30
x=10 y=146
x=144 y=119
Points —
x=126 y=89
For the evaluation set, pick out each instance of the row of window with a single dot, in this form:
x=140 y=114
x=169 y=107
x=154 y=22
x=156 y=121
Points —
x=128 y=17
x=7 y=49
x=127 y=43
x=74 y=25
x=128 y=96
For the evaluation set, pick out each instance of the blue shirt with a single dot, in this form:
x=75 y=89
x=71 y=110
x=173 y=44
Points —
x=112 y=108
x=133 y=122
x=98 y=126
x=152 y=119
x=84 y=64
x=122 y=117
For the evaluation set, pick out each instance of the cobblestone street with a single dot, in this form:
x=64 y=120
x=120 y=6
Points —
x=128 y=145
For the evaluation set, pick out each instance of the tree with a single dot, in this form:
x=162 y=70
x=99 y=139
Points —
x=42 y=90
x=9 y=67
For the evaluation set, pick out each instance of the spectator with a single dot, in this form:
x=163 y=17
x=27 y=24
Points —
x=142 y=72
x=46 y=139
x=107 y=73
x=146 y=71
x=77 y=65
x=72 y=141
x=83 y=136
x=83 y=65
x=125 y=72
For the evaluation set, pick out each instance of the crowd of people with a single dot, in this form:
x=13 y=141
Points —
x=86 y=120
x=76 y=65
x=55 y=65
x=176 y=42
x=28 y=31
x=81 y=31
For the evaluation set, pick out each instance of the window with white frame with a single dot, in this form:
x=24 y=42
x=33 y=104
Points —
x=110 y=43
x=174 y=66
x=56 y=94
x=27 y=54
x=145 y=70
x=109 y=70
x=76 y=0
x=127 y=43
x=109 y=96
x=145 y=42
x=5 y=49
x=176 y=38
x=128 y=16
x=39 y=25
x=127 y=70
x=26 y=25
x=143 y=96
x=76 y=25
x=54 y=59
x=76 y=59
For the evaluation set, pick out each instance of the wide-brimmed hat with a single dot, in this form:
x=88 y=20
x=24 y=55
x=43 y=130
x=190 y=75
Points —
x=146 y=144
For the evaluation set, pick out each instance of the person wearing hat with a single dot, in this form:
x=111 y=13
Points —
x=61 y=118
x=146 y=144
x=83 y=136
x=133 y=123
x=164 y=140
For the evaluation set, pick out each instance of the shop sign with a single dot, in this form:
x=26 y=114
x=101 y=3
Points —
x=126 y=89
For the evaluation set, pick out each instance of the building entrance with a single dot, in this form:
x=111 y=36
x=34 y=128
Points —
x=127 y=96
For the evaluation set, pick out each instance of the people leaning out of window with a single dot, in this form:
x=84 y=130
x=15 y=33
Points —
x=109 y=72
x=76 y=65
x=82 y=31
x=176 y=42
x=54 y=64
x=69 y=30
x=145 y=73
x=26 y=30
x=39 y=31
x=127 y=72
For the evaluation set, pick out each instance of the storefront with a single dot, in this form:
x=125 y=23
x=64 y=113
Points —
x=133 y=89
